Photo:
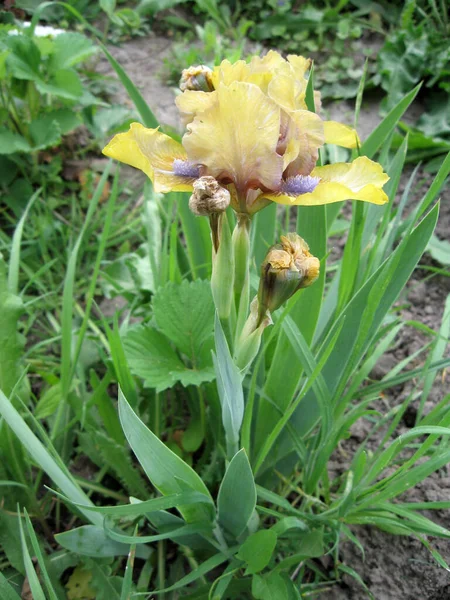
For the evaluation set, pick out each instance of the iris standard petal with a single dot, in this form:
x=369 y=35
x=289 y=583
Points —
x=306 y=132
x=340 y=134
x=191 y=103
x=153 y=153
x=236 y=138
x=360 y=180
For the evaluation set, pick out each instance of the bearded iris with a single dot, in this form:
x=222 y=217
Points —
x=254 y=135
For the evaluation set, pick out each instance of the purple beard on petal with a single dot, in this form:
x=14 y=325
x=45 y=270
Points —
x=184 y=168
x=300 y=184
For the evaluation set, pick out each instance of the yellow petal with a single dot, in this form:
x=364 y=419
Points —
x=300 y=65
x=360 y=180
x=191 y=103
x=341 y=135
x=236 y=138
x=287 y=92
x=272 y=62
x=309 y=137
x=153 y=153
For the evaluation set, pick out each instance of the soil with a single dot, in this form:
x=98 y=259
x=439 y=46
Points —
x=394 y=568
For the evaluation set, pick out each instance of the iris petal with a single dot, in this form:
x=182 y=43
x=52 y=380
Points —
x=340 y=134
x=236 y=138
x=153 y=153
x=360 y=180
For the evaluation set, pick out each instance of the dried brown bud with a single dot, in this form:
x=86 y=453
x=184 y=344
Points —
x=209 y=197
x=197 y=79
x=288 y=267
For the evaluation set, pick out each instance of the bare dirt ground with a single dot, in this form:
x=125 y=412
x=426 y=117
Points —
x=394 y=568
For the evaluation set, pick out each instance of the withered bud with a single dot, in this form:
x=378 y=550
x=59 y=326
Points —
x=288 y=267
x=209 y=197
x=196 y=79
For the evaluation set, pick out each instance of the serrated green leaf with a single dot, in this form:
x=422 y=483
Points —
x=64 y=83
x=167 y=472
x=150 y=356
x=67 y=119
x=11 y=142
x=257 y=550
x=69 y=49
x=237 y=495
x=185 y=314
x=24 y=60
x=45 y=134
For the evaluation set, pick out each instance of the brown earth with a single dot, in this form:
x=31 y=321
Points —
x=394 y=568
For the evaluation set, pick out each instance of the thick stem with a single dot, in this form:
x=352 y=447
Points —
x=241 y=245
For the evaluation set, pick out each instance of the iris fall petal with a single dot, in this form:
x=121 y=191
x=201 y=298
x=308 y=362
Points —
x=360 y=180
x=153 y=153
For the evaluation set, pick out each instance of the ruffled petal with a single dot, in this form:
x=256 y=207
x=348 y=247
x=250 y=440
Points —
x=287 y=92
x=236 y=138
x=341 y=135
x=300 y=65
x=153 y=153
x=306 y=137
x=191 y=103
x=360 y=180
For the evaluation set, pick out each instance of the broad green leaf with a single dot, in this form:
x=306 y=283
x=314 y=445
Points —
x=402 y=61
x=167 y=472
x=69 y=49
x=64 y=83
x=439 y=250
x=67 y=120
x=435 y=122
x=237 y=495
x=185 y=314
x=257 y=550
x=24 y=60
x=229 y=386
x=274 y=586
x=89 y=540
x=150 y=356
x=307 y=545
x=44 y=133
x=11 y=142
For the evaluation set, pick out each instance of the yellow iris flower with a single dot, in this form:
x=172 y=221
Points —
x=254 y=135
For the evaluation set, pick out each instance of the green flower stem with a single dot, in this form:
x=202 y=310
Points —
x=222 y=278
x=241 y=245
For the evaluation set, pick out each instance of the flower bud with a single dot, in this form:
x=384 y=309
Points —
x=288 y=267
x=249 y=341
x=209 y=197
x=197 y=79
